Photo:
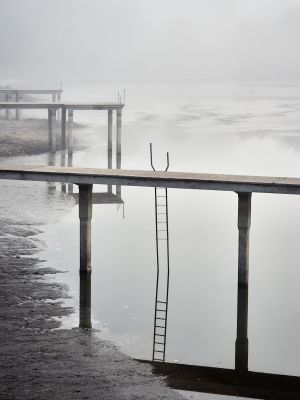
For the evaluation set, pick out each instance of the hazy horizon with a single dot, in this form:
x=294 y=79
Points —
x=208 y=40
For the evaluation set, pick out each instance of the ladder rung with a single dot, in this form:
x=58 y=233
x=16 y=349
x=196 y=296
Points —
x=158 y=334
x=159 y=301
x=161 y=327
x=162 y=343
x=158 y=359
x=160 y=196
x=158 y=309
x=163 y=319
x=158 y=351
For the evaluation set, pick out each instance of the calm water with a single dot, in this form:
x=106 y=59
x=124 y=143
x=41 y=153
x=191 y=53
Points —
x=240 y=129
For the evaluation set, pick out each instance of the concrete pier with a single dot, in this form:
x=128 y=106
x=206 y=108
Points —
x=85 y=216
x=244 y=221
x=17 y=95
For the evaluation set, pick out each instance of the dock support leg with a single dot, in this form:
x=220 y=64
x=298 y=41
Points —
x=70 y=133
x=244 y=221
x=109 y=144
x=54 y=101
x=63 y=128
x=17 y=109
x=59 y=111
x=7 y=110
x=51 y=130
x=119 y=127
x=70 y=145
x=85 y=216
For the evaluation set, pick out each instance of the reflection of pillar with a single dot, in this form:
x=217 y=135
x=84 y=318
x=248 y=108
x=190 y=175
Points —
x=109 y=145
x=85 y=216
x=51 y=162
x=7 y=110
x=241 y=344
x=51 y=130
x=63 y=128
x=63 y=164
x=119 y=126
x=85 y=301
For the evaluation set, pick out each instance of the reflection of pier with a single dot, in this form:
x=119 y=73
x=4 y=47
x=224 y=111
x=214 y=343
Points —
x=239 y=381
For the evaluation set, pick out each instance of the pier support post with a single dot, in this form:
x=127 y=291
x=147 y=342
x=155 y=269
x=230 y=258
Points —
x=63 y=128
x=70 y=133
x=119 y=127
x=51 y=130
x=7 y=110
x=244 y=221
x=17 y=109
x=85 y=216
x=109 y=144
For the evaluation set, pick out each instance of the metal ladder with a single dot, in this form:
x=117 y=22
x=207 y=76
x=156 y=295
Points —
x=163 y=271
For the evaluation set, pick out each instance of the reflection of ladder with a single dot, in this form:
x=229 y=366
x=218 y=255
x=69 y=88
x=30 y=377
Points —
x=163 y=264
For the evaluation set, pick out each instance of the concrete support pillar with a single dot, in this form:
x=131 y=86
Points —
x=85 y=216
x=119 y=127
x=244 y=221
x=17 y=109
x=59 y=111
x=63 y=128
x=70 y=133
x=109 y=144
x=7 y=110
x=51 y=130
x=109 y=139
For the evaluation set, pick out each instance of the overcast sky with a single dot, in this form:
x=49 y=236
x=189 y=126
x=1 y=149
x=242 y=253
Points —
x=209 y=39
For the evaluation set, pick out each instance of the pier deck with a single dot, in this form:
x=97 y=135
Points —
x=179 y=180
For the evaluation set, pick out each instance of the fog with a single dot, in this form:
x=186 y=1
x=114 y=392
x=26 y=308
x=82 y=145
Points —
x=206 y=39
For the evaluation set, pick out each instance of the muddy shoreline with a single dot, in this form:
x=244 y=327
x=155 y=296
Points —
x=38 y=360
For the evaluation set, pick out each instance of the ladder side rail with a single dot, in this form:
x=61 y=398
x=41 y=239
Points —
x=157 y=276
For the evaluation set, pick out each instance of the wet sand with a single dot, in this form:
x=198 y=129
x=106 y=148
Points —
x=38 y=360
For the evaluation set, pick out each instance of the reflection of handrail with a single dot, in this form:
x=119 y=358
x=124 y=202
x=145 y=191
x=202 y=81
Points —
x=151 y=159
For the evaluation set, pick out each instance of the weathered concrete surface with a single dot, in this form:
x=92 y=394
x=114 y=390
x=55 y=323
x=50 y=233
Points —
x=177 y=180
